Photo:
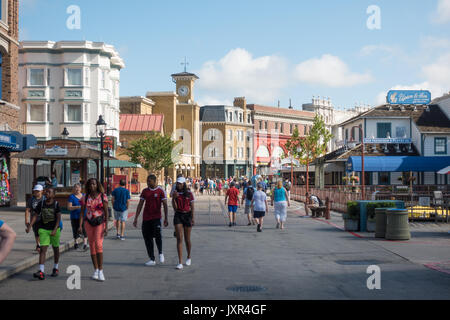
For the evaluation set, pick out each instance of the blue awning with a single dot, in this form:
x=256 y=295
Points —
x=397 y=164
x=16 y=142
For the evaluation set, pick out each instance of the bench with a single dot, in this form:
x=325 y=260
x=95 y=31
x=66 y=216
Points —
x=317 y=212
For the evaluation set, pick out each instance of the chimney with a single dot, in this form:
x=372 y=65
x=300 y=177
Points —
x=240 y=102
x=290 y=104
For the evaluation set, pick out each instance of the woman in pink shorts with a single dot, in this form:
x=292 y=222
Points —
x=95 y=205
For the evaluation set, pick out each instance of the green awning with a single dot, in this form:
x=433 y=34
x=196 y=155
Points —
x=121 y=164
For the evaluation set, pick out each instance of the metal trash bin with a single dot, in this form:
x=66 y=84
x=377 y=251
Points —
x=380 y=222
x=397 y=224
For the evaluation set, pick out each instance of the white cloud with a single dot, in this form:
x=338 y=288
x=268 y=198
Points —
x=238 y=73
x=330 y=71
x=442 y=14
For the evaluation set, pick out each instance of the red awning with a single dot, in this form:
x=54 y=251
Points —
x=141 y=122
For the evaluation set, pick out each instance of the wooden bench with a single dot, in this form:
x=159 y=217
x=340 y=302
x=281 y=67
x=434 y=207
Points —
x=317 y=212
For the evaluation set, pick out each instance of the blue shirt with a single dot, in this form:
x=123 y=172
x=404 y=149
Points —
x=280 y=195
x=75 y=214
x=121 y=196
x=1 y=223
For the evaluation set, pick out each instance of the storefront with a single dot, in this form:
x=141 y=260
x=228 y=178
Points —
x=10 y=142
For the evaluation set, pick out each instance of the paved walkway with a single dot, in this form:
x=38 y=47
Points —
x=311 y=259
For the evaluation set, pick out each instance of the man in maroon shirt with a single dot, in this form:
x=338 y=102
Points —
x=153 y=197
x=233 y=202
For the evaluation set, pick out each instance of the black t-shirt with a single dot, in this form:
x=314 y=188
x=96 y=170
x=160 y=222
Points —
x=48 y=215
x=35 y=206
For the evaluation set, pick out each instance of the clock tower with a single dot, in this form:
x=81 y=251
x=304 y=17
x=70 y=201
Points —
x=185 y=86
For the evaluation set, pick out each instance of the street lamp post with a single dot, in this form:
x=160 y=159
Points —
x=65 y=134
x=101 y=129
x=234 y=171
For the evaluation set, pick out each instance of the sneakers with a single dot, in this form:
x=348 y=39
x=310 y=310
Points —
x=259 y=228
x=101 y=276
x=55 y=273
x=122 y=238
x=278 y=226
x=76 y=246
x=118 y=236
x=188 y=262
x=230 y=225
x=40 y=275
x=234 y=224
x=161 y=258
x=180 y=267
x=249 y=224
x=95 y=275
x=150 y=263
x=85 y=247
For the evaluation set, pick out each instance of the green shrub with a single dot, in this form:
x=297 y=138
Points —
x=371 y=206
x=352 y=210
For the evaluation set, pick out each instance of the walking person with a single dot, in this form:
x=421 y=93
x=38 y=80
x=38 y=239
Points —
x=32 y=209
x=260 y=206
x=280 y=198
x=74 y=206
x=7 y=238
x=232 y=196
x=152 y=197
x=49 y=231
x=247 y=196
x=121 y=202
x=183 y=204
x=95 y=204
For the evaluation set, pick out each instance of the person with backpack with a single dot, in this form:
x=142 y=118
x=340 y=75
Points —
x=247 y=196
x=314 y=202
x=33 y=206
x=95 y=204
x=280 y=199
x=49 y=213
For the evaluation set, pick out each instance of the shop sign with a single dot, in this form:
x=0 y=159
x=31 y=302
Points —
x=420 y=97
x=388 y=141
x=56 y=151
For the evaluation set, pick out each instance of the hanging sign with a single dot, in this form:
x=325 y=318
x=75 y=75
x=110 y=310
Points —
x=408 y=97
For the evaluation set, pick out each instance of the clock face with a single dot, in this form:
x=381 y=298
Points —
x=183 y=91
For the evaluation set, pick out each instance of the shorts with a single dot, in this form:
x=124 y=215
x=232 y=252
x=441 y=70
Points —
x=121 y=215
x=183 y=218
x=46 y=239
x=232 y=209
x=259 y=214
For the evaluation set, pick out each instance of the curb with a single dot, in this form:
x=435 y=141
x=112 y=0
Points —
x=34 y=260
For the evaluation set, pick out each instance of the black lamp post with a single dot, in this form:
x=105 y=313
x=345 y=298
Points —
x=101 y=129
x=235 y=163
x=65 y=134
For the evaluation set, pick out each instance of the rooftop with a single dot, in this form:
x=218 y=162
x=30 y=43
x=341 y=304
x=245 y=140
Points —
x=141 y=122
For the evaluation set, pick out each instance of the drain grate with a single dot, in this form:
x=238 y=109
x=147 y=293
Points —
x=359 y=262
x=246 y=289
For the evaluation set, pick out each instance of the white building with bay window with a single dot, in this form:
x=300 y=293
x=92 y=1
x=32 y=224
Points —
x=69 y=84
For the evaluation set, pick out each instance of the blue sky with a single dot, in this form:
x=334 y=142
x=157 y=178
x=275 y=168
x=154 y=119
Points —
x=264 y=50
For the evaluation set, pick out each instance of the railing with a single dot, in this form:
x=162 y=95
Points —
x=340 y=195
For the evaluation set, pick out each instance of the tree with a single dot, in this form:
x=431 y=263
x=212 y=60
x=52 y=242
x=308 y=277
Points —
x=153 y=152
x=307 y=149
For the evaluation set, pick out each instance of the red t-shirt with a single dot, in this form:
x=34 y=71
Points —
x=233 y=195
x=153 y=199
x=183 y=203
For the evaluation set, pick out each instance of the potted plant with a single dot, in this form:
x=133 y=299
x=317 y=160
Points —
x=351 y=218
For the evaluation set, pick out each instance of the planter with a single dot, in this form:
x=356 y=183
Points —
x=351 y=225
x=371 y=225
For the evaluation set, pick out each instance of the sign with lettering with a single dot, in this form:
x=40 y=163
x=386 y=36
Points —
x=388 y=141
x=56 y=151
x=420 y=97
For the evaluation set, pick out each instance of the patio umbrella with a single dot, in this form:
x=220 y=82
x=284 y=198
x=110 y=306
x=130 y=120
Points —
x=445 y=170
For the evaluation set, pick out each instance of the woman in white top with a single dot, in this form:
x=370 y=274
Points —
x=260 y=206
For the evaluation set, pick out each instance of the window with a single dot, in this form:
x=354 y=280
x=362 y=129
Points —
x=384 y=178
x=266 y=124
x=384 y=130
x=230 y=116
x=281 y=128
x=400 y=132
x=353 y=137
x=48 y=77
x=248 y=153
x=249 y=118
x=276 y=127
x=37 y=113
x=4 y=11
x=212 y=152
x=230 y=135
x=346 y=134
x=240 y=135
x=37 y=77
x=240 y=118
x=212 y=135
x=74 y=77
x=440 y=145
x=74 y=113
x=230 y=152
x=260 y=125
x=291 y=128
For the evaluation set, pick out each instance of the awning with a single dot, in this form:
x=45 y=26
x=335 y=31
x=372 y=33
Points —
x=397 y=164
x=445 y=170
x=121 y=164
x=16 y=142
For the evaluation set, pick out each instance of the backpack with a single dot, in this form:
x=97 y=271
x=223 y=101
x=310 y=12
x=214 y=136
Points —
x=250 y=193
x=320 y=202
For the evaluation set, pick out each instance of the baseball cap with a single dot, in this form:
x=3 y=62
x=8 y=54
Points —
x=38 y=187
x=181 y=180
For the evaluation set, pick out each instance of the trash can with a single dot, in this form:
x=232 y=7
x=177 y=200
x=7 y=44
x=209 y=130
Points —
x=397 y=224
x=380 y=222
